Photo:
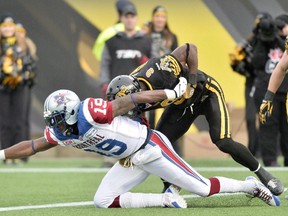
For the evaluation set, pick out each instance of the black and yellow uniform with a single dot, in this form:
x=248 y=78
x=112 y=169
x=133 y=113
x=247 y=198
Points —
x=16 y=78
x=208 y=99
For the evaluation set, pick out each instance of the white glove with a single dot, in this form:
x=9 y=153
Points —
x=178 y=91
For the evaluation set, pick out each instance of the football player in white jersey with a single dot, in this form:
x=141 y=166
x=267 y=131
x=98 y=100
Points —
x=96 y=125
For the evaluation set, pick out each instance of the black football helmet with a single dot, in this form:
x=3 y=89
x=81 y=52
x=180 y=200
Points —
x=121 y=86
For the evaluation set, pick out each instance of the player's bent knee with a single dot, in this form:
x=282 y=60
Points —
x=225 y=144
x=101 y=202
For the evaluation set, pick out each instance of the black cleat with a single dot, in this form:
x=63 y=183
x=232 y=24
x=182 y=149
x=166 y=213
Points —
x=166 y=185
x=275 y=186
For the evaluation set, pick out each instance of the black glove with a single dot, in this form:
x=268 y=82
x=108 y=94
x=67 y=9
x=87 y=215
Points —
x=266 y=107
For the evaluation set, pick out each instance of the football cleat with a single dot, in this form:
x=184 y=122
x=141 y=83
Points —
x=275 y=186
x=263 y=193
x=172 y=198
x=166 y=185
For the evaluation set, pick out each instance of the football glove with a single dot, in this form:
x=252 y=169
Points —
x=266 y=107
x=178 y=91
x=265 y=111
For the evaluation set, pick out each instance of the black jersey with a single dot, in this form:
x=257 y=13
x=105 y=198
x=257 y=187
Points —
x=164 y=73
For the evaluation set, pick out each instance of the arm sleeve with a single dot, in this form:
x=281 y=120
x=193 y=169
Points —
x=100 y=110
x=48 y=136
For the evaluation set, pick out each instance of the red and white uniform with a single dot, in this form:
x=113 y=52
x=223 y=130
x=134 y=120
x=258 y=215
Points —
x=121 y=137
x=98 y=133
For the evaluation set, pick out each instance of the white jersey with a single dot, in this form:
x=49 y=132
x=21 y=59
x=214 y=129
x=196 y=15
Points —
x=99 y=132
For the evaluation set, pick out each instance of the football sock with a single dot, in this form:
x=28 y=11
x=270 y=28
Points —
x=228 y=185
x=140 y=200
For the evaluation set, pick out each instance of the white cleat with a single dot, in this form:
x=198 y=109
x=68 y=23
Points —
x=172 y=198
x=263 y=192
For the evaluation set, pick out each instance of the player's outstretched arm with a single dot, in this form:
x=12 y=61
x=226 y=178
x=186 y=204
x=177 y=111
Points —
x=122 y=105
x=25 y=149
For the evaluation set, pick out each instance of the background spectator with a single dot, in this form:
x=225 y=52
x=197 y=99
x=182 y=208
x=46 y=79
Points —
x=17 y=76
x=163 y=39
x=281 y=22
x=240 y=62
x=111 y=31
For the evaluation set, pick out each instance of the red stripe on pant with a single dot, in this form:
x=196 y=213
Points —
x=155 y=138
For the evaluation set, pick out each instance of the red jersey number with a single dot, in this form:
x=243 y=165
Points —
x=100 y=110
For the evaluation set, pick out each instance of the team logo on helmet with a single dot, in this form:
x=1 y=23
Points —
x=124 y=90
x=61 y=99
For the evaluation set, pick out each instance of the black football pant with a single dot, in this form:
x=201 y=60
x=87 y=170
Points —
x=176 y=121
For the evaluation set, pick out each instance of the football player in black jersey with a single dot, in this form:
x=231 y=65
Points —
x=204 y=96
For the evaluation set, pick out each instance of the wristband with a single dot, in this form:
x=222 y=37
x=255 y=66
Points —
x=2 y=155
x=171 y=94
x=33 y=147
x=134 y=102
x=269 y=96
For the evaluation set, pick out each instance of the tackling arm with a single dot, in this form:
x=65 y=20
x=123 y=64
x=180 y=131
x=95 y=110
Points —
x=25 y=149
x=122 y=105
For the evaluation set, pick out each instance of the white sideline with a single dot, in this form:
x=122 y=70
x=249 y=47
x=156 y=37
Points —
x=104 y=170
x=73 y=204
x=56 y=205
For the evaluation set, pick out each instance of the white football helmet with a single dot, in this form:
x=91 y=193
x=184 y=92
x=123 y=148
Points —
x=60 y=107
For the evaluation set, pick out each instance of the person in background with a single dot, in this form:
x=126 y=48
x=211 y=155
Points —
x=15 y=81
x=281 y=22
x=268 y=49
x=240 y=62
x=164 y=41
x=111 y=31
x=127 y=49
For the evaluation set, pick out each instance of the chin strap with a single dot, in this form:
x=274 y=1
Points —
x=68 y=131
